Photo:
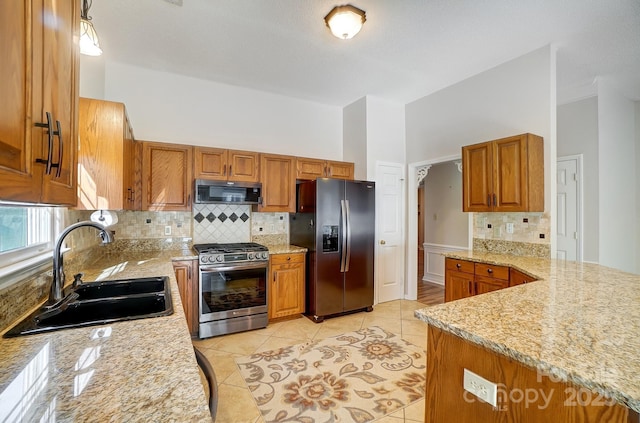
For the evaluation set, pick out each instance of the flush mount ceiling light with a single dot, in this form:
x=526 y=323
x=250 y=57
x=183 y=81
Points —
x=345 y=21
x=89 y=43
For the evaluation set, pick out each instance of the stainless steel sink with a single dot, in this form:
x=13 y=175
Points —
x=97 y=303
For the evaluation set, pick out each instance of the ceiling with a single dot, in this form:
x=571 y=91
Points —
x=407 y=49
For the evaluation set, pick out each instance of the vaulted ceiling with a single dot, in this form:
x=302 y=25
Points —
x=407 y=49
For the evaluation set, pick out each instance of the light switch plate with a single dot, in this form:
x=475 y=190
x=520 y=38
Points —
x=480 y=387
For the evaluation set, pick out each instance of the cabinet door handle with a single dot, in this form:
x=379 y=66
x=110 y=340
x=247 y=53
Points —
x=494 y=200
x=224 y=170
x=49 y=158
x=230 y=170
x=58 y=133
x=488 y=199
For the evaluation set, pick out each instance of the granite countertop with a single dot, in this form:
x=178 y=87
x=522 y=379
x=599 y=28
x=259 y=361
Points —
x=134 y=371
x=579 y=322
x=285 y=249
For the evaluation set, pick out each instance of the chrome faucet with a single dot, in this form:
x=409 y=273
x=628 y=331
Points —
x=55 y=295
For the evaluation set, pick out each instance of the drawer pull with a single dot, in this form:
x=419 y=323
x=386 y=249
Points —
x=458 y=265
x=489 y=270
x=288 y=258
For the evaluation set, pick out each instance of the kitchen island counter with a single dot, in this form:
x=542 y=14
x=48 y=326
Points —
x=135 y=371
x=579 y=323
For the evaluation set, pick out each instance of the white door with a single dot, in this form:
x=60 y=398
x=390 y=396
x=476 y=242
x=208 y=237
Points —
x=389 y=232
x=568 y=202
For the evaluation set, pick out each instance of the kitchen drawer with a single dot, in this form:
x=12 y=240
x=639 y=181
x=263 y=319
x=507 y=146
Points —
x=459 y=265
x=492 y=271
x=287 y=258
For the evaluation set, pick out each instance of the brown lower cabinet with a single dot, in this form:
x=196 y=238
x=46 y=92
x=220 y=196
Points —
x=286 y=285
x=464 y=278
x=187 y=277
x=447 y=401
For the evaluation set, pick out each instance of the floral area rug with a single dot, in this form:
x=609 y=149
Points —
x=355 y=377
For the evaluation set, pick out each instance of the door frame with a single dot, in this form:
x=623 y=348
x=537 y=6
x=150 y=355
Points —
x=403 y=229
x=580 y=199
x=411 y=253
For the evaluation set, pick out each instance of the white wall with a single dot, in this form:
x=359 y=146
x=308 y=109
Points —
x=617 y=137
x=174 y=108
x=354 y=136
x=637 y=146
x=92 y=76
x=385 y=133
x=578 y=134
x=445 y=223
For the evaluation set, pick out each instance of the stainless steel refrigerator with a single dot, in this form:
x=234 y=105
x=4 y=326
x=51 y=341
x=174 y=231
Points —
x=335 y=221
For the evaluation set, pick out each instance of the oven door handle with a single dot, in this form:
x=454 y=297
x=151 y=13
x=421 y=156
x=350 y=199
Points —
x=261 y=265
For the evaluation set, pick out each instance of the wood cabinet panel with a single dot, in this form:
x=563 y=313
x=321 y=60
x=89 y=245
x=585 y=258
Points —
x=287 y=285
x=485 y=284
x=277 y=174
x=464 y=278
x=106 y=157
x=166 y=176
x=210 y=163
x=517 y=277
x=459 y=265
x=187 y=278
x=310 y=169
x=226 y=165
x=492 y=271
x=39 y=79
x=505 y=175
x=458 y=285
x=446 y=400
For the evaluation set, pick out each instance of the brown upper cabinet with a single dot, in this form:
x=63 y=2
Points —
x=108 y=172
x=311 y=169
x=167 y=179
x=505 y=175
x=278 y=178
x=38 y=111
x=226 y=165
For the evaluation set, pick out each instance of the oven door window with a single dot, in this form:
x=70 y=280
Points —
x=233 y=290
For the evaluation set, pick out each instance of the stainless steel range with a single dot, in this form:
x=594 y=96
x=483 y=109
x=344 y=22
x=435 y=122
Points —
x=233 y=287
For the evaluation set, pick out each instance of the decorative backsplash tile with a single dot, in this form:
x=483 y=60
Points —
x=221 y=223
x=527 y=227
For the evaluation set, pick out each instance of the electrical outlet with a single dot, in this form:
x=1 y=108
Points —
x=480 y=387
x=167 y=230
x=509 y=228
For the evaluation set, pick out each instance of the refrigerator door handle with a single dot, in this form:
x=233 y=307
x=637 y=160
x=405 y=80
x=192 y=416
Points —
x=343 y=247
x=348 y=260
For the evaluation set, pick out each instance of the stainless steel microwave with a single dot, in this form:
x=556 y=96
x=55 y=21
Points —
x=228 y=192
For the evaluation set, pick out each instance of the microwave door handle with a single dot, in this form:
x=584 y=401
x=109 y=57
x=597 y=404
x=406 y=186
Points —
x=343 y=249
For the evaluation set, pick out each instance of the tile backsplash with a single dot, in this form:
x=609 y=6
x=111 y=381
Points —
x=524 y=234
x=221 y=223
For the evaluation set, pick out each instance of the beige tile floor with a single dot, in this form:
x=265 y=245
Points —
x=235 y=404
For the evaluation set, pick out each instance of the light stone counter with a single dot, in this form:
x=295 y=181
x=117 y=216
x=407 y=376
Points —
x=579 y=322
x=285 y=249
x=134 y=371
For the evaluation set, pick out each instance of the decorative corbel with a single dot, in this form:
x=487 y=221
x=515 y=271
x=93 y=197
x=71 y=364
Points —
x=422 y=173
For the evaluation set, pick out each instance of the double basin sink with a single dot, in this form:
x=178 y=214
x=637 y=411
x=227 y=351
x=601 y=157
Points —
x=96 y=303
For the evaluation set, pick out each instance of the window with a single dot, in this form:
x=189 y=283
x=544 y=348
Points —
x=25 y=232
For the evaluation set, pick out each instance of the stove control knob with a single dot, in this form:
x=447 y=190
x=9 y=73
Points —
x=219 y=259
x=265 y=255
x=251 y=256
